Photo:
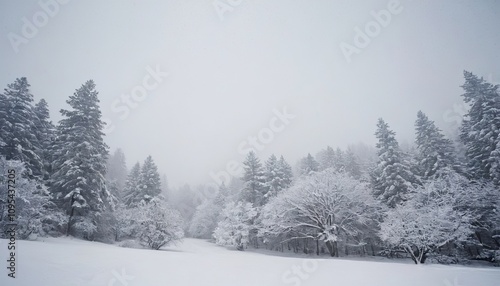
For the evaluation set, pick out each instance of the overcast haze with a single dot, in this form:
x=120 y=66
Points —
x=225 y=77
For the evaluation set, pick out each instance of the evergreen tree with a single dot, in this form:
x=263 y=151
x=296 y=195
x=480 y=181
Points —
x=254 y=179
x=45 y=133
x=308 y=165
x=481 y=127
x=392 y=179
x=149 y=180
x=338 y=160
x=222 y=196
x=435 y=152
x=272 y=177
x=17 y=127
x=114 y=191
x=131 y=195
x=276 y=176
x=79 y=168
x=117 y=170
x=286 y=172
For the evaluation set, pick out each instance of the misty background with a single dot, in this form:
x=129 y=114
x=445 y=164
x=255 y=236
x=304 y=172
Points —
x=227 y=74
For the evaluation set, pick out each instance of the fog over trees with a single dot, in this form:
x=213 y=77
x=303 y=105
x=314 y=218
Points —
x=430 y=202
x=260 y=143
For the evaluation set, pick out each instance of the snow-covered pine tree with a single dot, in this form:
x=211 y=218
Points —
x=17 y=127
x=222 y=196
x=392 y=178
x=278 y=176
x=435 y=152
x=117 y=170
x=481 y=127
x=149 y=180
x=79 y=167
x=131 y=195
x=286 y=172
x=307 y=166
x=254 y=179
x=45 y=132
x=272 y=176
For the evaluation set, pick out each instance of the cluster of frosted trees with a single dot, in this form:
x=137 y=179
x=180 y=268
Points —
x=439 y=198
x=62 y=182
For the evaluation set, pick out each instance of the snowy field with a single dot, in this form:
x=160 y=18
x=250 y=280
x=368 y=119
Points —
x=66 y=261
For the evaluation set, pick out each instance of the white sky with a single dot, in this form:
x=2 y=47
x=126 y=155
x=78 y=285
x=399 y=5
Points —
x=226 y=76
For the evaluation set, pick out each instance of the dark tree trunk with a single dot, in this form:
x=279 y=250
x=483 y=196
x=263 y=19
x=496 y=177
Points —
x=419 y=256
x=71 y=214
x=424 y=257
x=329 y=246
x=332 y=248
x=346 y=249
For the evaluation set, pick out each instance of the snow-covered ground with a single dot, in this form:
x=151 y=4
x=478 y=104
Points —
x=66 y=261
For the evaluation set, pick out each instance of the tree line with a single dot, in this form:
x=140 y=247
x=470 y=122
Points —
x=438 y=199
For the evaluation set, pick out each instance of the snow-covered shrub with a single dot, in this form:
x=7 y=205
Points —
x=84 y=227
x=55 y=222
x=327 y=206
x=156 y=224
x=124 y=222
x=31 y=201
x=429 y=219
x=235 y=225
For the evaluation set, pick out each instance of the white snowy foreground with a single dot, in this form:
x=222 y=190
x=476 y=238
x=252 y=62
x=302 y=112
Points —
x=66 y=261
